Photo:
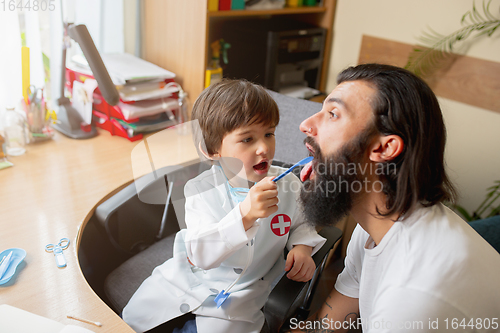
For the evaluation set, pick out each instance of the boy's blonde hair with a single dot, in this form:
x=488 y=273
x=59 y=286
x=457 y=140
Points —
x=229 y=104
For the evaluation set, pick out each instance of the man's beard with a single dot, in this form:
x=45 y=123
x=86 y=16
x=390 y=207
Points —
x=329 y=197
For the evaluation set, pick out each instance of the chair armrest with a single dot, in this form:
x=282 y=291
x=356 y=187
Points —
x=289 y=296
x=137 y=216
x=108 y=207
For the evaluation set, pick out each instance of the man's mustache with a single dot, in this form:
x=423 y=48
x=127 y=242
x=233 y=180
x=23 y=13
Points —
x=315 y=147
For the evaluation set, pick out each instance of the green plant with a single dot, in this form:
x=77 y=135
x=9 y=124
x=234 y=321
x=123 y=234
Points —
x=437 y=47
x=490 y=202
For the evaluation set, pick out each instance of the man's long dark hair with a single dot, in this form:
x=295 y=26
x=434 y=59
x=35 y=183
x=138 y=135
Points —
x=406 y=106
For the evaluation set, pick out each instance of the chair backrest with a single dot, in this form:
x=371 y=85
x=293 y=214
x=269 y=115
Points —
x=177 y=180
x=131 y=219
x=289 y=140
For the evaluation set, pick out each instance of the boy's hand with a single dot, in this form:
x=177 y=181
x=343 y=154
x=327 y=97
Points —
x=261 y=201
x=301 y=264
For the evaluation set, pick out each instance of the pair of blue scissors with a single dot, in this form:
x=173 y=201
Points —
x=57 y=249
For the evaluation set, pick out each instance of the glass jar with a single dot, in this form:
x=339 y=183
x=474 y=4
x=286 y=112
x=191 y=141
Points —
x=15 y=132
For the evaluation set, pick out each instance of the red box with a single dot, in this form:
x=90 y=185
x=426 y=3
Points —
x=224 y=4
x=102 y=112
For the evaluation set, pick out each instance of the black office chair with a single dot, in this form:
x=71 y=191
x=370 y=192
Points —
x=125 y=219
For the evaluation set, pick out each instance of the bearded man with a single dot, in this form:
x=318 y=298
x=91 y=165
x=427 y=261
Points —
x=412 y=264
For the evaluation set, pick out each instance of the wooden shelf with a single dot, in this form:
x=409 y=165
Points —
x=284 y=11
x=177 y=35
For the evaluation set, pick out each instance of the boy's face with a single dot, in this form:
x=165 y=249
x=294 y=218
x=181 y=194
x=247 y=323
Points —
x=247 y=152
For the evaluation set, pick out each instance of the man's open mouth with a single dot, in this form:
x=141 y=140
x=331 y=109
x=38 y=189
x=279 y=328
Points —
x=307 y=170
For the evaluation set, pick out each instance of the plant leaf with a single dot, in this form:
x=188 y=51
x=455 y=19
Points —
x=437 y=47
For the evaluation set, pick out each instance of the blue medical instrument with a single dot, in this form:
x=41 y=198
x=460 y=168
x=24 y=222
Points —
x=11 y=259
x=57 y=249
x=224 y=293
x=301 y=162
x=4 y=264
x=238 y=193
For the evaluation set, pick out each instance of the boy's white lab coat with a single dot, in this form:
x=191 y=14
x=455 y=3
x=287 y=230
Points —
x=219 y=248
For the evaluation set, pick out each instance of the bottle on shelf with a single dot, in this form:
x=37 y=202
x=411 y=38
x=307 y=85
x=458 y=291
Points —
x=15 y=132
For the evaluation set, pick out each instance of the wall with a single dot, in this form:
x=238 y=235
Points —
x=473 y=150
x=130 y=25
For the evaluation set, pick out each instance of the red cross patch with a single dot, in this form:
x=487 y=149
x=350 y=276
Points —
x=280 y=224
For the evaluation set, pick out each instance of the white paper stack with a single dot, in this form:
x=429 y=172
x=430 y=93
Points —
x=145 y=90
x=14 y=320
x=148 y=108
x=125 y=68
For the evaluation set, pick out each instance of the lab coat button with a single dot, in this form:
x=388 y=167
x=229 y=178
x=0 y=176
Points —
x=184 y=308
x=215 y=291
x=238 y=270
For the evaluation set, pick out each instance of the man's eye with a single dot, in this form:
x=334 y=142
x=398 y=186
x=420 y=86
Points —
x=333 y=115
x=268 y=135
x=246 y=140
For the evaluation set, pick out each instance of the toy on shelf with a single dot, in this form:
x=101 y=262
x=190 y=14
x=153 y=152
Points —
x=214 y=71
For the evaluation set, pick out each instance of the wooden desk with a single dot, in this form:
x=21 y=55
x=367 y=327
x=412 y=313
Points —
x=50 y=193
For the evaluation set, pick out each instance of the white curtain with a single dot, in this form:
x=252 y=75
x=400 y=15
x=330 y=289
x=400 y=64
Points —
x=103 y=18
x=10 y=61
x=34 y=42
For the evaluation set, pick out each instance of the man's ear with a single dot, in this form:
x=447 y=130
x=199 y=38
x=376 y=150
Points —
x=386 y=148
x=208 y=156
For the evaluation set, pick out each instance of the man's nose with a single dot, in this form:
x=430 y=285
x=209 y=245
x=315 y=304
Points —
x=308 y=125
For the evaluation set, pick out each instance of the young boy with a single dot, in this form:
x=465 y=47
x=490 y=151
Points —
x=238 y=222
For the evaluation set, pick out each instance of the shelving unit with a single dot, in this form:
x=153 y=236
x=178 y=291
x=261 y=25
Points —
x=177 y=35
x=284 y=11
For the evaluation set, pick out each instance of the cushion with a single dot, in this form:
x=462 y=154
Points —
x=122 y=283
x=489 y=229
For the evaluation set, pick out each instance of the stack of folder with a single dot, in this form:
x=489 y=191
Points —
x=149 y=95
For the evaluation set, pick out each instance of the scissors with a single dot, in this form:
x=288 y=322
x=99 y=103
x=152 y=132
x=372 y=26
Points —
x=57 y=249
x=35 y=95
